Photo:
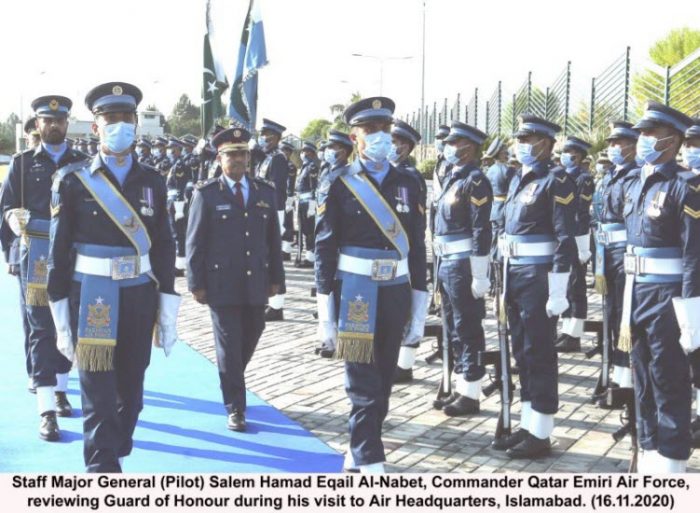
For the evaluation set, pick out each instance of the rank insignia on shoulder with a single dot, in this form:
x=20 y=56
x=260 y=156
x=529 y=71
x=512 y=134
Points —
x=586 y=197
x=262 y=204
x=321 y=209
x=479 y=202
x=477 y=183
x=566 y=200
x=55 y=210
x=561 y=180
x=695 y=214
x=694 y=189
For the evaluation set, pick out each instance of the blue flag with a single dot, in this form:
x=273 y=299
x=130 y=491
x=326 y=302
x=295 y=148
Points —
x=251 y=57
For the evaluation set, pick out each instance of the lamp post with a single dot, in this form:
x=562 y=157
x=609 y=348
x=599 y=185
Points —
x=381 y=60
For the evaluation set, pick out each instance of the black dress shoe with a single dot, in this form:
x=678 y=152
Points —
x=403 y=375
x=568 y=344
x=63 y=407
x=236 y=421
x=274 y=314
x=462 y=406
x=530 y=448
x=48 y=428
x=506 y=442
x=440 y=403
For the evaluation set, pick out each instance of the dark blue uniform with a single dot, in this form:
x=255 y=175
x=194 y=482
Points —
x=499 y=175
x=28 y=185
x=306 y=183
x=179 y=184
x=234 y=254
x=342 y=222
x=288 y=233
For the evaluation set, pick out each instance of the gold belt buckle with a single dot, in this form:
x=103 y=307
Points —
x=384 y=269
x=125 y=267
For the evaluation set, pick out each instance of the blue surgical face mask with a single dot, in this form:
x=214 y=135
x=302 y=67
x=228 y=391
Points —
x=567 y=160
x=646 y=148
x=139 y=151
x=118 y=137
x=691 y=156
x=262 y=142
x=615 y=155
x=157 y=152
x=304 y=158
x=393 y=154
x=599 y=168
x=170 y=155
x=439 y=145
x=524 y=153
x=377 y=146
x=451 y=154
x=330 y=156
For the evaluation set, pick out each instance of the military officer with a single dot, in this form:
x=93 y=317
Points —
x=370 y=254
x=111 y=275
x=179 y=184
x=26 y=207
x=288 y=233
x=161 y=161
x=323 y=166
x=234 y=262
x=611 y=239
x=499 y=175
x=462 y=245
x=274 y=168
x=338 y=150
x=662 y=218
x=92 y=143
x=404 y=139
x=143 y=151
x=574 y=151
x=305 y=189
x=538 y=250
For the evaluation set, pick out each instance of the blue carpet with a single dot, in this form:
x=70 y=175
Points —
x=182 y=427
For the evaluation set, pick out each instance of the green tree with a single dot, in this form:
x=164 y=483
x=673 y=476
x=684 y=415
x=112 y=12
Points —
x=185 y=118
x=676 y=46
x=316 y=129
x=7 y=134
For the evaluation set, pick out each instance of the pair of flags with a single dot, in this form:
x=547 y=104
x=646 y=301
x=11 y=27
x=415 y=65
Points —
x=252 y=56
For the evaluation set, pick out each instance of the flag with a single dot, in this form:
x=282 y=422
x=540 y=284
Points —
x=251 y=57
x=213 y=87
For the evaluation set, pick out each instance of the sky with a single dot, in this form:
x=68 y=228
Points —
x=68 y=47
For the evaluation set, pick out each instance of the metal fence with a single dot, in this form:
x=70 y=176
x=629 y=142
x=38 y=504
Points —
x=618 y=92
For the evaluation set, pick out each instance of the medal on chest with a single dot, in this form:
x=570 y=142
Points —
x=657 y=204
x=402 y=200
x=147 y=203
x=528 y=197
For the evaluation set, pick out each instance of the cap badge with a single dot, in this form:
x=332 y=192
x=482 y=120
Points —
x=236 y=133
x=117 y=90
x=377 y=104
x=53 y=104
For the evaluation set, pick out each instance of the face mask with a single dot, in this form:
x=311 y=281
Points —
x=646 y=148
x=393 y=154
x=139 y=152
x=330 y=156
x=377 y=146
x=523 y=152
x=119 y=136
x=304 y=158
x=691 y=156
x=615 y=155
x=170 y=155
x=262 y=142
x=157 y=152
x=599 y=168
x=567 y=160
x=451 y=154
x=439 y=145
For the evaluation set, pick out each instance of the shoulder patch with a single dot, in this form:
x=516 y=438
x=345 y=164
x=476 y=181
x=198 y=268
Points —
x=694 y=188
x=479 y=201
x=586 y=197
x=560 y=180
x=695 y=214
x=564 y=201
x=206 y=183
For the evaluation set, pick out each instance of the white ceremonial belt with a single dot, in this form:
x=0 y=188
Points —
x=452 y=247
x=380 y=269
x=611 y=237
x=638 y=264
x=514 y=249
x=305 y=196
x=117 y=268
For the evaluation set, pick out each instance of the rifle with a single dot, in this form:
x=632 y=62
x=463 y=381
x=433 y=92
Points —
x=600 y=392
x=500 y=359
x=628 y=418
x=300 y=233
x=445 y=389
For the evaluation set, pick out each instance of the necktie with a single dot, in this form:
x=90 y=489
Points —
x=238 y=194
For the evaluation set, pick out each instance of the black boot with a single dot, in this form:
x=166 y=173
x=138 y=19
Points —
x=48 y=428
x=236 y=421
x=568 y=344
x=274 y=314
x=462 y=406
x=506 y=442
x=402 y=375
x=63 y=407
x=530 y=448
x=440 y=403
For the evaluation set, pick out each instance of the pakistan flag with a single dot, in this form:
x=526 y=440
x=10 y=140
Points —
x=212 y=89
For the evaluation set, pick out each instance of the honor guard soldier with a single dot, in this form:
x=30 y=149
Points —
x=662 y=217
x=274 y=169
x=338 y=150
x=143 y=151
x=499 y=175
x=26 y=209
x=162 y=162
x=370 y=253
x=691 y=158
x=92 y=143
x=305 y=189
x=234 y=262
x=404 y=139
x=180 y=186
x=287 y=149
x=111 y=275
x=538 y=250
x=611 y=240
x=323 y=166
x=32 y=135
x=462 y=245
x=574 y=151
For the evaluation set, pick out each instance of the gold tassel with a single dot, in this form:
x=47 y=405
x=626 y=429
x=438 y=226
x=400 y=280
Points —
x=356 y=350
x=601 y=286
x=502 y=317
x=95 y=358
x=625 y=342
x=37 y=295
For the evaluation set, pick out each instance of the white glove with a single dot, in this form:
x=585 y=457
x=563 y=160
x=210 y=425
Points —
x=179 y=210
x=311 y=210
x=480 y=276
x=289 y=204
x=689 y=322
x=17 y=218
x=583 y=242
x=280 y=220
x=557 y=302
x=327 y=330
x=165 y=334
x=419 y=311
x=60 y=312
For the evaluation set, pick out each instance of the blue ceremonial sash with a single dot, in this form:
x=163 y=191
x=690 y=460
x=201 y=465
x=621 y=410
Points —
x=358 y=306
x=601 y=286
x=379 y=210
x=36 y=236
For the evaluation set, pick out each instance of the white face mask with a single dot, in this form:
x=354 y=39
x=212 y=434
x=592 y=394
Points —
x=393 y=154
x=118 y=137
x=330 y=156
x=524 y=153
x=377 y=146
